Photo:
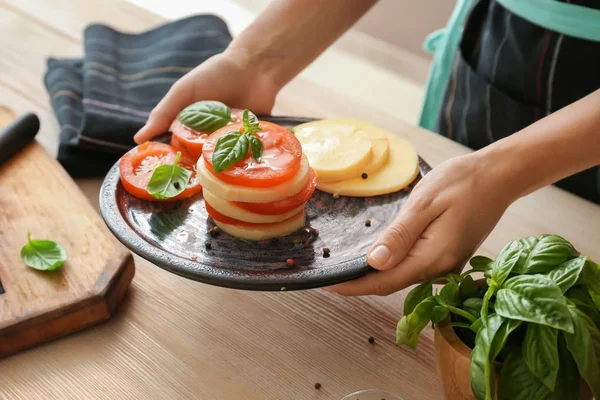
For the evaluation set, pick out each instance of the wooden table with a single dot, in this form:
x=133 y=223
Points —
x=175 y=338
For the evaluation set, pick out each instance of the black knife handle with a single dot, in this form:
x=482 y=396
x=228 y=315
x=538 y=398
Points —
x=17 y=135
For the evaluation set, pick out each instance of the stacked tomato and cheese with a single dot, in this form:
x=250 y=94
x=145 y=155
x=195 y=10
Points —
x=258 y=200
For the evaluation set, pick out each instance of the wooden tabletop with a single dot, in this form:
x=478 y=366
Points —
x=178 y=339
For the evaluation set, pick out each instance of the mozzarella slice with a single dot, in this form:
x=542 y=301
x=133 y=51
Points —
x=230 y=210
x=265 y=231
x=335 y=151
x=227 y=191
x=379 y=152
x=400 y=169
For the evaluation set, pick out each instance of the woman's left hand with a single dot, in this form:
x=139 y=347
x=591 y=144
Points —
x=445 y=219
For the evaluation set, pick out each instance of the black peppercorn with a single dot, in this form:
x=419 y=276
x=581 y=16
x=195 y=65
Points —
x=208 y=245
x=371 y=340
x=368 y=222
x=364 y=175
x=326 y=252
x=318 y=386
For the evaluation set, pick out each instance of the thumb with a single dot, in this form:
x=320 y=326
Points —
x=161 y=117
x=397 y=240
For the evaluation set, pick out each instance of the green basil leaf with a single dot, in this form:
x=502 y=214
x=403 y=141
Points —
x=481 y=263
x=584 y=300
x=566 y=274
x=449 y=294
x=205 y=116
x=596 y=299
x=534 y=298
x=568 y=382
x=473 y=306
x=590 y=276
x=540 y=351
x=250 y=122
x=417 y=295
x=543 y=253
x=584 y=345
x=489 y=341
x=168 y=180
x=43 y=255
x=517 y=382
x=468 y=287
x=230 y=148
x=410 y=326
x=505 y=262
x=256 y=146
x=438 y=314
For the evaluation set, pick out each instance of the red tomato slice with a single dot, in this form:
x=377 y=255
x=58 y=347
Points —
x=177 y=146
x=285 y=205
x=281 y=157
x=193 y=140
x=138 y=164
x=217 y=216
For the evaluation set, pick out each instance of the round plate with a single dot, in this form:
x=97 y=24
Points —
x=173 y=236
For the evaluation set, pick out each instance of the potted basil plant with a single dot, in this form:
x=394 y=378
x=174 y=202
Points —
x=529 y=329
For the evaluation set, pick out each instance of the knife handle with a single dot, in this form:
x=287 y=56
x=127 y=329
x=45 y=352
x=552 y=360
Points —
x=17 y=135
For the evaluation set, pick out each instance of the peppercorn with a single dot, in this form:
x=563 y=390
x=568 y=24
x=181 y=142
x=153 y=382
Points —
x=177 y=185
x=371 y=339
x=208 y=245
x=214 y=231
x=368 y=222
x=290 y=262
x=326 y=252
x=364 y=175
x=318 y=386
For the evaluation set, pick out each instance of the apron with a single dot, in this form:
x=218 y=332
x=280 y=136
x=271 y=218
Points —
x=501 y=65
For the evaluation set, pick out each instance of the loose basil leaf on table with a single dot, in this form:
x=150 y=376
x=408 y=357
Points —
x=43 y=255
x=168 y=180
x=410 y=326
x=540 y=352
x=584 y=345
x=416 y=295
x=543 y=253
x=517 y=382
x=566 y=274
x=205 y=116
x=230 y=148
x=534 y=298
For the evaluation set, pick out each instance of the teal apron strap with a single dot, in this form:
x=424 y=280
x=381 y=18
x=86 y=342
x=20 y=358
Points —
x=444 y=42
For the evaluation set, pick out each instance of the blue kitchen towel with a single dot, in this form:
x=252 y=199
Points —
x=103 y=99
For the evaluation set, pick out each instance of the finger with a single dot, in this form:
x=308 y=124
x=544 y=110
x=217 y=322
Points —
x=396 y=241
x=161 y=117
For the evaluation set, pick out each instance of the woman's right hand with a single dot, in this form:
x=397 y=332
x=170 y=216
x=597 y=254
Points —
x=230 y=78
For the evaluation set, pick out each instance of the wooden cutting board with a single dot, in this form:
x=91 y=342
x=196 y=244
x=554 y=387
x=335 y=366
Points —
x=37 y=196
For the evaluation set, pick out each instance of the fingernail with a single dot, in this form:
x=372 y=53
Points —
x=379 y=255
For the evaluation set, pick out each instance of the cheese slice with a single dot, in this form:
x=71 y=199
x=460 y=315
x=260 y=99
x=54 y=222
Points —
x=227 y=191
x=230 y=210
x=335 y=151
x=400 y=169
x=265 y=231
x=379 y=152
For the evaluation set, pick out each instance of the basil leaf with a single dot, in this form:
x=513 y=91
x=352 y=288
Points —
x=468 y=287
x=584 y=300
x=590 y=276
x=534 y=298
x=543 y=253
x=449 y=294
x=410 y=326
x=473 y=306
x=568 y=382
x=505 y=262
x=540 y=352
x=489 y=341
x=477 y=325
x=584 y=345
x=43 y=255
x=250 y=122
x=230 y=148
x=596 y=299
x=256 y=146
x=439 y=313
x=205 y=116
x=417 y=295
x=168 y=180
x=566 y=274
x=517 y=382
x=481 y=263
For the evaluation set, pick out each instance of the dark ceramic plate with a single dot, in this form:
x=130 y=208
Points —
x=173 y=236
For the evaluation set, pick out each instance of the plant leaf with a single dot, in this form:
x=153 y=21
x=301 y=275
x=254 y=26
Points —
x=468 y=287
x=584 y=300
x=473 y=306
x=250 y=122
x=568 y=382
x=230 y=148
x=205 y=116
x=566 y=274
x=449 y=294
x=417 y=295
x=540 y=351
x=517 y=382
x=481 y=263
x=534 y=298
x=543 y=253
x=43 y=255
x=505 y=262
x=584 y=345
x=590 y=276
x=439 y=313
x=256 y=146
x=410 y=326
x=477 y=325
x=168 y=180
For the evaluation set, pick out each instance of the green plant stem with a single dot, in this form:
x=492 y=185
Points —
x=462 y=325
x=460 y=312
x=469 y=272
x=485 y=304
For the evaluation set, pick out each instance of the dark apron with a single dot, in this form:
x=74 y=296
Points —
x=509 y=73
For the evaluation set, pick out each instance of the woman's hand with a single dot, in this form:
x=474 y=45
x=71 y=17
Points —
x=445 y=219
x=227 y=77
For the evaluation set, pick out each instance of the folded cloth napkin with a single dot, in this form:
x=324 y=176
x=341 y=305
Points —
x=102 y=100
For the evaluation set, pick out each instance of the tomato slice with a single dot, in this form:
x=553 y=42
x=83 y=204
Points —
x=138 y=164
x=193 y=140
x=217 y=216
x=281 y=157
x=177 y=146
x=285 y=205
